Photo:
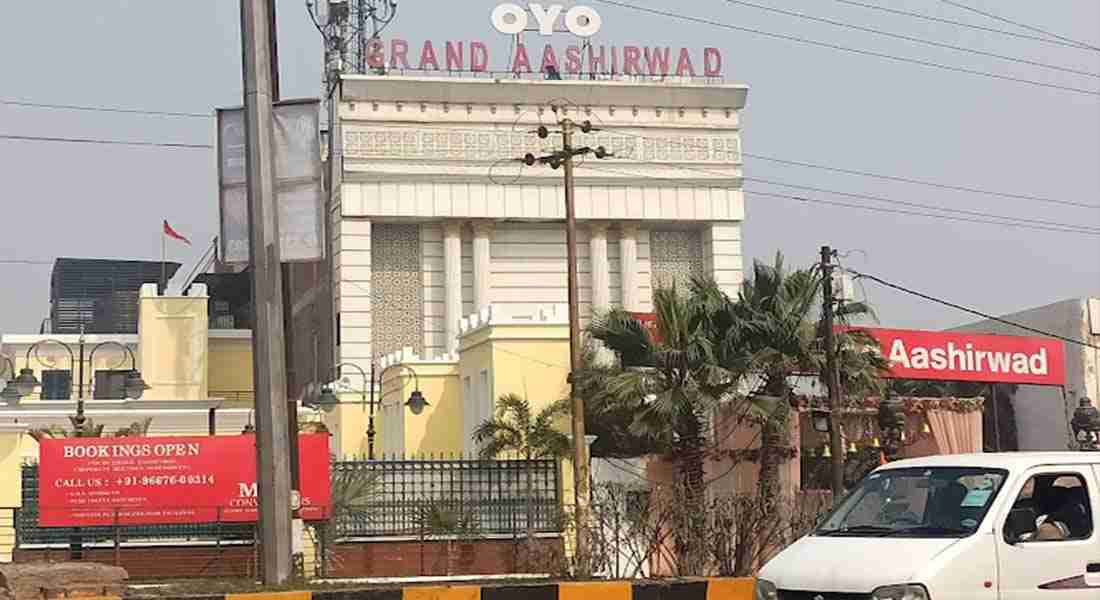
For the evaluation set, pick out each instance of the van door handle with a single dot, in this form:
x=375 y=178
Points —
x=1092 y=568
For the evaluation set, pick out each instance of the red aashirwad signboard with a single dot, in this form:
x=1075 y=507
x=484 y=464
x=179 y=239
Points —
x=944 y=356
x=155 y=480
x=649 y=321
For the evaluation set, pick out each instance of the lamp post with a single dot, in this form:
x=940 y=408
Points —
x=1086 y=426
x=328 y=401
x=25 y=384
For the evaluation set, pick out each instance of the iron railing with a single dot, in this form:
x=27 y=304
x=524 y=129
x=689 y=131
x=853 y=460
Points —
x=28 y=533
x=409 y=497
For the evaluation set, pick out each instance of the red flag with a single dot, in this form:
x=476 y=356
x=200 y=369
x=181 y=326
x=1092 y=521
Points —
x=168 y=231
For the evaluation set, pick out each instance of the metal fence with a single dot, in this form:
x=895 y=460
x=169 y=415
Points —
x=28 y=534
x=428 y=497
x=400 y=497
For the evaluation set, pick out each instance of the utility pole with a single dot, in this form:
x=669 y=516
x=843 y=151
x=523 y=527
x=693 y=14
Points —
x=832 y=376
x=564 y=159
x=288 y=300
x=580 y=458
x=268 y=352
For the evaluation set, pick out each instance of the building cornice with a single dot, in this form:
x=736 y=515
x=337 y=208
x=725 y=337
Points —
x=509 y=92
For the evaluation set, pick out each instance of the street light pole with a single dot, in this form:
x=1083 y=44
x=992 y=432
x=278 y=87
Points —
x=133 y=386
x=328 y=400
x=370 y=417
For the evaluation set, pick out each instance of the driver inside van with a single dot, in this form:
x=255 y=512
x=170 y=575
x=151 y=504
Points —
x=1050 y=525
x=946 y=506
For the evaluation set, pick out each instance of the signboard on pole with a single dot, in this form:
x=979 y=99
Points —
x=147 y=481
x=298 y=182
x=957 y=356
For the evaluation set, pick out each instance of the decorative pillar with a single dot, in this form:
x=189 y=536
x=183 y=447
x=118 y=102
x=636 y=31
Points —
x=601 y=271
x=722 y=256
x=628 y=254
x=452 y=282
x=483 y=230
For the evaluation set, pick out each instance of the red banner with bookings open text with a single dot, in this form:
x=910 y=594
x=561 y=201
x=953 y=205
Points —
x=953 y=356
x=159 y=480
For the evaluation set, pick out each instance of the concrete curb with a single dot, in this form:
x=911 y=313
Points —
x=687 y=589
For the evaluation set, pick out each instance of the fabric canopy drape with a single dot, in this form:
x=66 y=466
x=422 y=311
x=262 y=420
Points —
x=956 y=432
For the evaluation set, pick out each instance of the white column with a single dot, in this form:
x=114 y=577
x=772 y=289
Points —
x=722 y=256
x=483 y=268
x=352 y=274
x=452 y=282
x=628 y=255
x=601 y=271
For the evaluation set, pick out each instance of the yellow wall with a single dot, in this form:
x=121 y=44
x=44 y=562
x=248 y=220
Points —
x=230 y=371
x=348 y=426
x=172 y=334
x=438 y=428
x=11 y=485
x=531 y=360
x=11 y=461
x=528 y=359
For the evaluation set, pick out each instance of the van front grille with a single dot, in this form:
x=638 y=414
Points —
x=794 y=595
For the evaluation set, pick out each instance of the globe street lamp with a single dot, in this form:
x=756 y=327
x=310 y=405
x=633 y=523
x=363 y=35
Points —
x=133 y=385
x=1086 y=426
x=327 y=401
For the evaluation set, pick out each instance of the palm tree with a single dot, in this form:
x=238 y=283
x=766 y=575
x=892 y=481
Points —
x=514 y=429
x=778 y=326
x=91 y=429
x=448 y=520
x=674 y=383
x=353 y=492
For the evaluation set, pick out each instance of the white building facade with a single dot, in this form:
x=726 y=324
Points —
x=433 y=219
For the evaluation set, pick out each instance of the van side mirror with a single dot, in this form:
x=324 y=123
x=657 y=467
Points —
x=1020 y=522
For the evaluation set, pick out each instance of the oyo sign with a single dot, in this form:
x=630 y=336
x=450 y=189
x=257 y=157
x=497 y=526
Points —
x=581 y=21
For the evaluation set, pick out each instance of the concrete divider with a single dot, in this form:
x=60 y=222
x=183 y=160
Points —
x=687 y=589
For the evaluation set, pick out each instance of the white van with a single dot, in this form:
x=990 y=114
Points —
x=1014 y=526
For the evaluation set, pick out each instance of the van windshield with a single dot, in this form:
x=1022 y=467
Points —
x=916 y=502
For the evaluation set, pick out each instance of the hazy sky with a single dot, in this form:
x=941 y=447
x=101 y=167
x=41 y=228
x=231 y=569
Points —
x=806 y=104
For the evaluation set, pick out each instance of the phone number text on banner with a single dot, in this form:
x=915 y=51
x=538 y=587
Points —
x=147 y=481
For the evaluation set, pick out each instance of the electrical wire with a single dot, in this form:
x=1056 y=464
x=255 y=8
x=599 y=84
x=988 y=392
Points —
x=35 y=138
x=778 y=160
x=103 y=109
x=972 y=311
x=925 y=206
x=1017 y=24
x=923 y=182
x=910 y=38
x=808 y=165
x=1060 y=227
x=918 y=214
x=1009 y=219
x=15 y=261
x=849 y=49
x=915 y=15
